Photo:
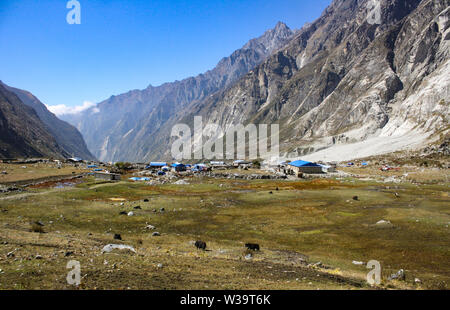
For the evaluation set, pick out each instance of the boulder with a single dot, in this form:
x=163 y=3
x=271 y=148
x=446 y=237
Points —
x=384 y=224
x=110 y=247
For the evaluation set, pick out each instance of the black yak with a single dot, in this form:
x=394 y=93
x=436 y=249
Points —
x=252 y=246
x=200 y=245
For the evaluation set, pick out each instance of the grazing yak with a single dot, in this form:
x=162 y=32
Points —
x=200 y=245
x=252 y=246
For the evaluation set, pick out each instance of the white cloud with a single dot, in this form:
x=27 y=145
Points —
x=62 y=109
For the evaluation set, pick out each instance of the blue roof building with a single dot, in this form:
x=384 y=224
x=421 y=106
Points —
x=301 y=166
x=302 y=163
x=156 y=165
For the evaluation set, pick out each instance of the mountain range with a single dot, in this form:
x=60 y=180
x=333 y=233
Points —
x=340 y=87
x=29 y=129
x=353 y=83
x=122 y=127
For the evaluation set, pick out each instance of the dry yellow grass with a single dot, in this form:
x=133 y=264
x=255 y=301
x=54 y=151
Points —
x=18 y=172
x=310 y=221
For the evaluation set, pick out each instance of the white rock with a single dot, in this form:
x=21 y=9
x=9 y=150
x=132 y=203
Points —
x=181 y=182
x=110 y=247
x=383 y=223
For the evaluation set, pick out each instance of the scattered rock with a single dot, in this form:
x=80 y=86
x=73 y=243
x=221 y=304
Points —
x=357 y=263
x=159 y=265
x=38 y=257
x=146 y=200
x=137 y=208
x=117 y=237
x=162 y=210
x=130 y=214
x=11 y=254
x=123 y=213
x=400 y=275
x=156 y=234
x=248 y=256
x=150 y=227
x=68 y=253
x=356 y=198
x=417 y=281
x=318 y=264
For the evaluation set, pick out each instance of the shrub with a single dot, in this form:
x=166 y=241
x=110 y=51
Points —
x=124 y=166
x=37 y=228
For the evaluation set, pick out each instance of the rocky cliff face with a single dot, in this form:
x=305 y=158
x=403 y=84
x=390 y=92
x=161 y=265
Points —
x=67 y=136
x=345 y=87
x=22 y=133
x=123 y=127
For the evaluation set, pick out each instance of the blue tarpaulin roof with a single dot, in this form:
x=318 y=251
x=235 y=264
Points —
x=177 y=165
x=140 y=179
x=302 y=163
x=157 y=164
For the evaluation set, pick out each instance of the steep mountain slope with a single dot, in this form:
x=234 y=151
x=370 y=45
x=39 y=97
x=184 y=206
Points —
x=345 y=80
x=22 y=133
x=67 y=136
x=122 y=127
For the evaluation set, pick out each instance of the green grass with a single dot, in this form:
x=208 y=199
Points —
x=318 y=219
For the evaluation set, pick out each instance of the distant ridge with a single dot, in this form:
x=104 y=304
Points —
x=66 y=135
x=122 y=127
x=22 y=133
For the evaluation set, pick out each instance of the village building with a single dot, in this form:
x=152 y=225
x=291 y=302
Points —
x=177 y=167
x=156 y=166
x=242 y=164
x=107 y=176
x=218 y=165
x=300 y=166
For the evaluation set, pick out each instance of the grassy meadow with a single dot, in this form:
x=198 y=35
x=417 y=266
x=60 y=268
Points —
x=297 y=224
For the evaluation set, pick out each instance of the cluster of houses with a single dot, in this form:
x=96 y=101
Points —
x=294 y=168
x=162 y=167
x=297 y=168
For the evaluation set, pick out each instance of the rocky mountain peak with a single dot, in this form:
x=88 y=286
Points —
x=272 y=39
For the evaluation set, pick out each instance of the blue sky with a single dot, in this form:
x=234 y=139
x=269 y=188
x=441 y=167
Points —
x=125 y=45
